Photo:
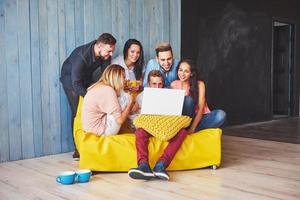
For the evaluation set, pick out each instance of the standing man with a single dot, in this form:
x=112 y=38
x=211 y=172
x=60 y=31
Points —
x=164 y=62
x=77 y=70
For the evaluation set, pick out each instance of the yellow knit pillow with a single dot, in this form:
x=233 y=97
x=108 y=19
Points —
x=163 y=127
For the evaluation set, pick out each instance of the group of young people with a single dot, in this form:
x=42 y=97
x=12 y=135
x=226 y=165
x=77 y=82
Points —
x=106 y=105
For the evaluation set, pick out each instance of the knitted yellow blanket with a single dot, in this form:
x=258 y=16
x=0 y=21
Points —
x=163 y=127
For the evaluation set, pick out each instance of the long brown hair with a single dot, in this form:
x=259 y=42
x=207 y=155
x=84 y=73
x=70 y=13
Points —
x=139 y=64
x=112 y=76
x=194 y=91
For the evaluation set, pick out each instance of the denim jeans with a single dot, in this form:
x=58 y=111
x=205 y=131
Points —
x=214 y=119
x=188 y=106
x=73 y=100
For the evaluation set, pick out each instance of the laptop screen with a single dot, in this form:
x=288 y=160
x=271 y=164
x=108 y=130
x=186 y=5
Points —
x=162 y=101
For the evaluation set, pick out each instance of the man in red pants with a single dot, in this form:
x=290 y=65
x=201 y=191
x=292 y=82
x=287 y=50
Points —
x=143 y=171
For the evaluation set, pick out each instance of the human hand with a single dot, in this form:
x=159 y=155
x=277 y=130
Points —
x=135 y=108
x=131 y=98
x=133 y=85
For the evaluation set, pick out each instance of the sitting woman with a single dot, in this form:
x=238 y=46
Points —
x=103 y=109
x=132 y=60
x=195 y=104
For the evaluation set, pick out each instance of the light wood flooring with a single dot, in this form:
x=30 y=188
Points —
x=251 y=169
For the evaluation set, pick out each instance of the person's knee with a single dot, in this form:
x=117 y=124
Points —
x=220 y=116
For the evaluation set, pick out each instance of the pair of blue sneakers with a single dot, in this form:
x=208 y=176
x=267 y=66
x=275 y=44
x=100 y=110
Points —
x=144 y=172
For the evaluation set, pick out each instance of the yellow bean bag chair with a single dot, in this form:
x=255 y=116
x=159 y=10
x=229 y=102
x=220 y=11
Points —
x=117 y=153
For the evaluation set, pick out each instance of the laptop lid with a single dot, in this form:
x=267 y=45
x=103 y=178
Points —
x=162 y=101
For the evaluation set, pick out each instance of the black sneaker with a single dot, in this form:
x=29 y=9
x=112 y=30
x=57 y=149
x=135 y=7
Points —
x=160 y=171
x=143 y=172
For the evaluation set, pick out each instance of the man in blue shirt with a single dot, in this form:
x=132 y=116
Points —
x=164 y=62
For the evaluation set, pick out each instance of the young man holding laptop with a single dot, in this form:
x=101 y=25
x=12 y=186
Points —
x=143 y=171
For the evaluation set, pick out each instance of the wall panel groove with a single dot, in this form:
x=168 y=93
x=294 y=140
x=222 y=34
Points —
x=4 y=136
x=36 y=36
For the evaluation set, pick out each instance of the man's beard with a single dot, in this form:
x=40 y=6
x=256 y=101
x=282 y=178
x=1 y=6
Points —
x=103 y=58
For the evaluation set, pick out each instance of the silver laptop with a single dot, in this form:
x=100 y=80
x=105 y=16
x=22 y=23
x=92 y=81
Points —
x=162 y=101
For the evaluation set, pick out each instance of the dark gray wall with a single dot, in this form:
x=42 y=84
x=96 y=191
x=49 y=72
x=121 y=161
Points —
x=232 y=44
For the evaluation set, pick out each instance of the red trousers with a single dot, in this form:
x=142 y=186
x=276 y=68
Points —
x=142 y=141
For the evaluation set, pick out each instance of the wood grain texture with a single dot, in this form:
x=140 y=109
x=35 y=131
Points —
x=44 y=65
x=251 y=169
x=53 y=70
x=13 y=78
x=281 y=130
x=36 y=78
x=25 y=75
x=4 y=136
x=36 y=37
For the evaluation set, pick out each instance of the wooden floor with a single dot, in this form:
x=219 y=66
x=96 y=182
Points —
x=251 y=169
x=281 y=130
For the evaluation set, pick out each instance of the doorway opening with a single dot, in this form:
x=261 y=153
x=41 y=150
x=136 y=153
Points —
x=283 y=68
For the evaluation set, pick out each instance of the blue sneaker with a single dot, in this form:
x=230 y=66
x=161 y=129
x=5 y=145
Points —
x=143 y=172
x=160 y=171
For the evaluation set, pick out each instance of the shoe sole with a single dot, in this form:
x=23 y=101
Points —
x=162 y=176
x=137 y=174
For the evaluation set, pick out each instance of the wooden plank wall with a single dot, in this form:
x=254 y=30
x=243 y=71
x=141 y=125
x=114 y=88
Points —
x=35 y=38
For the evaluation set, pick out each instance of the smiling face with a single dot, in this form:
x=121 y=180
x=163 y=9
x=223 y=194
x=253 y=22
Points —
x=165 y=60
x=104 y=51
x=184 y=72
x=133 y=53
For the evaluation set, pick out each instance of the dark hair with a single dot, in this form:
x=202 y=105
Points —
x=155 y=73
x=138 y=66
x=194 y=90
x=106 y=38
x=162 y=47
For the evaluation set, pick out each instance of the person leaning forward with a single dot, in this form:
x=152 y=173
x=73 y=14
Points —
x=164 y=62
x=77 y=70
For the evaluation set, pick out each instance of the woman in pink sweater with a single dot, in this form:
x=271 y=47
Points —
x=106 y=106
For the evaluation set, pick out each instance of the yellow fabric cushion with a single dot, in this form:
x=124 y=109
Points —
x=163 y=127
x=117 y=153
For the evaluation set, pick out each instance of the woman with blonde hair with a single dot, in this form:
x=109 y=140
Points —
x=104 y=109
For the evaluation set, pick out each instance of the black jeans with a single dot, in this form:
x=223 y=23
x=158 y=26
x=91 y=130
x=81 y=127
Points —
x=73 y=100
